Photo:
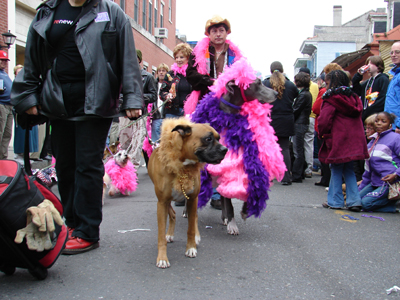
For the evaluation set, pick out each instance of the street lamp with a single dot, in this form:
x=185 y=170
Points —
x=8 y=39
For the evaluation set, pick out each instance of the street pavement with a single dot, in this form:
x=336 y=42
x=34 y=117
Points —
x=295 y=250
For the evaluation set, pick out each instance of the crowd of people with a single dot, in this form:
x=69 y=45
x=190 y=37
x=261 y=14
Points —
x=87 y=108
x=348 y=113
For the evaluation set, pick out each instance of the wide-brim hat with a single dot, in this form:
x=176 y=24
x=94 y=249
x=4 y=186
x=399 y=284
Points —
x=3 y=55
x=215 y=20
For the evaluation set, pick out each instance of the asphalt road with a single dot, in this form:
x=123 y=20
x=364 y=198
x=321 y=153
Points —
x=296 y=250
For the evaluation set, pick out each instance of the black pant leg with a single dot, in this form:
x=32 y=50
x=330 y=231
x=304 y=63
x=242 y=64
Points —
x=325 y=170
x=298 y=147
x=284 y=144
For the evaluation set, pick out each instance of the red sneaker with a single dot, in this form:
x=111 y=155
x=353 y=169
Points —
x=77 y=245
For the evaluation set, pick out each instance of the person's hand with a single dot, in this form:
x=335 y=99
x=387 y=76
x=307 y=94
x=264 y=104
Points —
x=44 y=215
x=133 y=113
x=397 y=130
x=170 y=97
x=32 y=111
x=389 y=178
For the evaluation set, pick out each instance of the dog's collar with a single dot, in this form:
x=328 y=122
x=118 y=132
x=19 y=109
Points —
x=181 y=178
x=230 y=104
x=243 y=95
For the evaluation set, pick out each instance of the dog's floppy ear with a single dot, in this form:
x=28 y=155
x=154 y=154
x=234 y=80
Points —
x=229 y=86
x=184 y=130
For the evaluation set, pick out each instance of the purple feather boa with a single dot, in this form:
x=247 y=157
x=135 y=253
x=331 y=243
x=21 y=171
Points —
x=236 y=134
x=206 y=190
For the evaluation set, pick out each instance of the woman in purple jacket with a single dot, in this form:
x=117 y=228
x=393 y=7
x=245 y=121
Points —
x=381 y=169
x=342 y=131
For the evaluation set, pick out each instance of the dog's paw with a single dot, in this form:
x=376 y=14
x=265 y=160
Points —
x=225 y=221
x=112 y=191
x=163 y=264
x=169 y=238
x=184 y=214
x=197 y=239
x=232 y=227
x=192 y=252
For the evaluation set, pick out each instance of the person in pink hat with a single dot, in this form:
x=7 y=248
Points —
x=6 y=116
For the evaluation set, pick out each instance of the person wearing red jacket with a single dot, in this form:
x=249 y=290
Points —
x=316 y=108
x=342 y=130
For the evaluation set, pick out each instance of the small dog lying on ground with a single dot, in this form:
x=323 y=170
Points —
x=120 y=175
x=174 y=167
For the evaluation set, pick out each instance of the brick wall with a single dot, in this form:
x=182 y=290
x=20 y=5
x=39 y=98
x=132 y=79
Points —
x=3 y=23
x=3 y=19
x=152 y=54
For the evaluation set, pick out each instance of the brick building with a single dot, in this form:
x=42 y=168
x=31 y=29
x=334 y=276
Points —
x=145 y=17
x=3 y=21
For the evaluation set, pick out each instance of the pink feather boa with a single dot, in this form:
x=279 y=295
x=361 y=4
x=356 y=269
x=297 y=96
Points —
x=201 y=63
x=124 y=179
x=146 y=144
x=242 y=72
x=232 y=179
x=179 y=70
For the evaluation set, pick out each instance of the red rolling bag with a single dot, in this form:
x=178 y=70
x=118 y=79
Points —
x=18 y=191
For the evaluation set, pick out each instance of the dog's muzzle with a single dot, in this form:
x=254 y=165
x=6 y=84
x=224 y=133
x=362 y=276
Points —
x=212 y=155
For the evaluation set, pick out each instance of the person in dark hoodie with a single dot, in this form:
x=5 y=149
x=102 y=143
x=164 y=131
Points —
x=340 y=126
x=373 y=90
x=301 y=110
x=282 y=116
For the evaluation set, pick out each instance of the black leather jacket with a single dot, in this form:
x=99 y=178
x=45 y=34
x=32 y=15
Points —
x=149 y=87
x=108 y=52
x=302 y=107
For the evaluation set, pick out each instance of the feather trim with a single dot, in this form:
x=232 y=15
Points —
x=124 y=179
x=200 y=52
x=191 y=102
x=241 y=72
x=146 y=144
x=147 y=147
x=234 y=129
x=179 y=70
x=203 y=67
x=260 y=124
x=206 y=188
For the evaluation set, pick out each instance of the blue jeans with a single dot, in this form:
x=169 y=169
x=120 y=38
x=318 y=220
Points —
x=171 y=116
x=376 y=199
x=335 y=194
x=156 y=129
x=215 y=195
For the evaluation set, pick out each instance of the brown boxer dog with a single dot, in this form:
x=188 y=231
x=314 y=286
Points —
x=174 y=167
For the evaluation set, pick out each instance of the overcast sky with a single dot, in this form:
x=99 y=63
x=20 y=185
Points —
x=265 y=30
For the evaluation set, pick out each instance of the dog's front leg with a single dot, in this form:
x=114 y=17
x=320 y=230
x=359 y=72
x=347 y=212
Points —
x=191 y=250
x=171 y=225
x=162 y=213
